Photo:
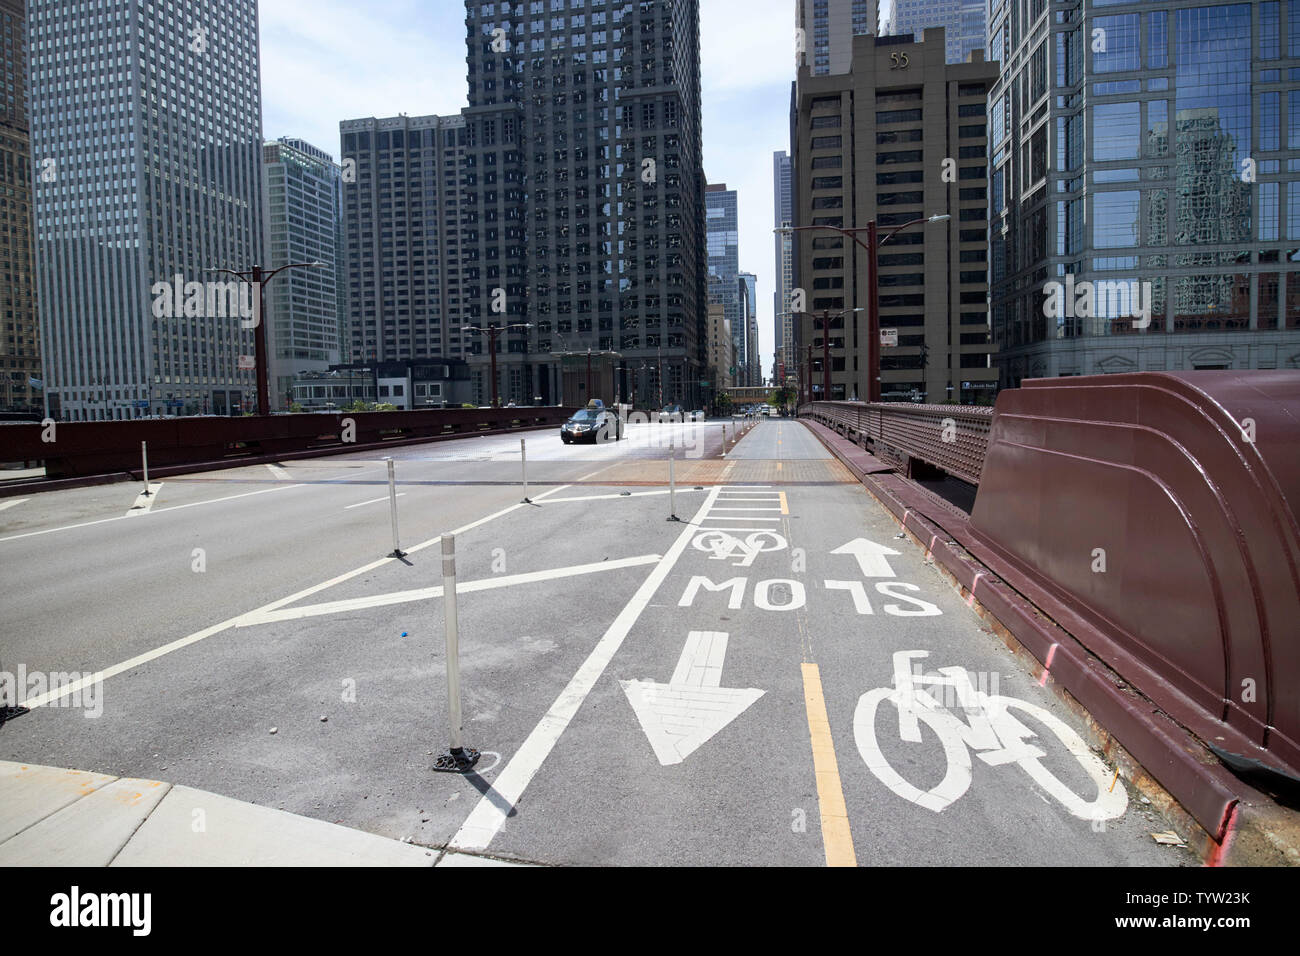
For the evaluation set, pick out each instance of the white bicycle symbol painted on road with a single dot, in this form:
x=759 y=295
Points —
x=723 y=545
x=990 y=729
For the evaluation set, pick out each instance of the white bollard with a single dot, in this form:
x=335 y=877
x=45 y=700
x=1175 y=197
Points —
x=144 y=459
x=672 y=485
x=392 y=502
x=523 y=458
x=459 y=758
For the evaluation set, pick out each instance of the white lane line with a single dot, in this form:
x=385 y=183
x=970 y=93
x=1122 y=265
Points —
x=280 y=472
x=634 y=494
x=724 y=518
x=12 y=502
x=747 y=509
x=67 y=690
x=372 y=501
x=163 y=511
x=144 y=501
x=423 y=594
x=490 y=812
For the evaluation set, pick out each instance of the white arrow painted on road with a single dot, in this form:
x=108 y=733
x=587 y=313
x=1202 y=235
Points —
x=871 y=557
x=680 y=716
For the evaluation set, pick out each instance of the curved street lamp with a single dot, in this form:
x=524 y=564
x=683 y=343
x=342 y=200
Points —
x=874 y=241
x=257 y=277
x=492 y=332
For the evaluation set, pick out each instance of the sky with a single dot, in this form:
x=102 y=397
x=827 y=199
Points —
x=329 y=60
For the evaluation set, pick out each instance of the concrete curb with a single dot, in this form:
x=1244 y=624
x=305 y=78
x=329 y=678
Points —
x=1225 y=820
x=50 y=816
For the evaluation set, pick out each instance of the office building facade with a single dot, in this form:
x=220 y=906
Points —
x=147 y=150
x=1145 y=191
x=20 y=360
x=782 y=215
x=921 y=123
x=723 y=239
x=584 y=209
x=753 y=369
x=300 y=306
x=963 y=22
x=402 y=181
x=825 y=30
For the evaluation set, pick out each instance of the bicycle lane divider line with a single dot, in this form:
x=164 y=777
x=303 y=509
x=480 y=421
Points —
x=487 y=817
x=832 y=808
x=66 y=690
x=837 y=838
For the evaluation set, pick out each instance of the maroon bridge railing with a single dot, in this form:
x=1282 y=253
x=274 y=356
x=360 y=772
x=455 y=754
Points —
x=1162 y=507
x=953 y=438
x=78 y=449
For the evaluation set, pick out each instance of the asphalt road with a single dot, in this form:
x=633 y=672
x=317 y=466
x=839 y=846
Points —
x=716 y=690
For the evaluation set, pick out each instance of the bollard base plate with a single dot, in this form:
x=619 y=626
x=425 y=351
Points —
x=397 y=553
x=456 y=760
x=9 y=713
x=672 y=518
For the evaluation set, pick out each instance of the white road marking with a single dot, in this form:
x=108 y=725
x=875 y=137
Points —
x=489 y=813
x=163 y=511
x=144 y=501
x=681 y=716
x=871 y=557
x=746 y=509
x=280 y=472
x=724 y=518
x=989 y=729
x=66 y=690
x=12 y=502
x=372 y=501
x=634 y=494
x=462 y=587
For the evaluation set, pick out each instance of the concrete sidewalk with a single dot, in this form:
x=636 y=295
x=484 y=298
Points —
x=55 y=817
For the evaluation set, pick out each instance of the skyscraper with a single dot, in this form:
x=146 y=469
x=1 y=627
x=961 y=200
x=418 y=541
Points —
x=723 y=231
x=20 y=363
x=962 y=21
x=921 y=123
x=753 y=366
x=1144 y=201
x=301 y=306
x=584 y=208
x=147 y=144
x=403 y=181
x=783 y=215
x=826 y=29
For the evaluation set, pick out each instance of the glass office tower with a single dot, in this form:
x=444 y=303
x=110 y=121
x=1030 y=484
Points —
x=722 y=230
x=1145 y=186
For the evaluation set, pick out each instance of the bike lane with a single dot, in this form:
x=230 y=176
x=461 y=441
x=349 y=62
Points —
x=949 y=753
x=716 y=724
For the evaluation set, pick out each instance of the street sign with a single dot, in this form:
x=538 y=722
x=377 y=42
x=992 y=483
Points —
x=732 y=370
x=888 y=338
x=141 y=403
x=704 y=384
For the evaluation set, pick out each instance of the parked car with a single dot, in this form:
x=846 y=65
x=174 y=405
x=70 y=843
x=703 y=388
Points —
x=671 y=413
x=594 y=423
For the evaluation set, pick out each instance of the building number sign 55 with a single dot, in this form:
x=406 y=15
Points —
x=899 y=61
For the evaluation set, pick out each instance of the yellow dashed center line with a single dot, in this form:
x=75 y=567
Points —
x=836 y=837
x=785 y=506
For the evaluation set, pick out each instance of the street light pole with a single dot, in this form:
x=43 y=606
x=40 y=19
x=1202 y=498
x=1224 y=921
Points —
x=258 y=278
x=492 y=332
x=873 y=303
